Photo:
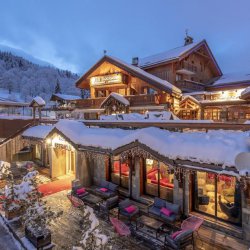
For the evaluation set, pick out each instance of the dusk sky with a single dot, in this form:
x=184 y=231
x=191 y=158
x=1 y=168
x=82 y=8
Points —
x=73 y=34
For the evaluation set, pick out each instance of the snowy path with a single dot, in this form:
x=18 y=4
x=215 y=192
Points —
x=6 y=241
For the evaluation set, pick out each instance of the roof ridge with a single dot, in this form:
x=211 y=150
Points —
x=194 y=43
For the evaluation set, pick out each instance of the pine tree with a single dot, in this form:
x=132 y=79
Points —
x=58 y=88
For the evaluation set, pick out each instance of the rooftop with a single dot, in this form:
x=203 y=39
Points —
x=214 y=147
x=166 y=56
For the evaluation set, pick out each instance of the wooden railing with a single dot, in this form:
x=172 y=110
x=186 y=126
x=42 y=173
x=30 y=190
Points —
x=187 y=66
x=90 y=102
x=139 y=100
x=135 y=100
x=189 y=85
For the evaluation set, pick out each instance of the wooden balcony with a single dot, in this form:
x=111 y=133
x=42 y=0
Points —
x=187 y=85
x=94 y=103
x=135 y=100
x=186 y=68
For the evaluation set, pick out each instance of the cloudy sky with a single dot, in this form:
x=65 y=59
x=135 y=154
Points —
x=72 y=34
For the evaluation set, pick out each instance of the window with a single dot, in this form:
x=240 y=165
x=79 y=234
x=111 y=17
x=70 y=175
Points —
x=158 y=180
x=100 y=93
x=121 y=91
x=38 y=154
x=218 y=195
x=151 y=91
x=178 y=77
x=120 y=172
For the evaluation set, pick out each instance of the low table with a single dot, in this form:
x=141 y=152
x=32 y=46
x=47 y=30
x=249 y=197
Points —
x=92 y=200
x=150 y=223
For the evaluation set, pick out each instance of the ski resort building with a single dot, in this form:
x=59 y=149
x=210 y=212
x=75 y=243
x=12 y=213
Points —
x=186 y=81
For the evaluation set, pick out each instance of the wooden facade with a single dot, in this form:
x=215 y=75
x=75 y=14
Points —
x=163 y=82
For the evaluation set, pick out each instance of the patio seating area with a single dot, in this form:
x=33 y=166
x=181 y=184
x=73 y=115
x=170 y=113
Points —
x=158 y=225
x=140 y=222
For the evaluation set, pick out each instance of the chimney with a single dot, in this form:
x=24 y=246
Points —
x=188 y=40
x=135 y=61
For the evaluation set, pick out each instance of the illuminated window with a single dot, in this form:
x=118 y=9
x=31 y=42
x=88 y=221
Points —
x=120 y=172
x=218 y=195
x=159 y=179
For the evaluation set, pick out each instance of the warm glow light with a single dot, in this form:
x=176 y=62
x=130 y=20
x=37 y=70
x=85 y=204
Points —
x=149 y=161
x=48 y=141
x=106 y=79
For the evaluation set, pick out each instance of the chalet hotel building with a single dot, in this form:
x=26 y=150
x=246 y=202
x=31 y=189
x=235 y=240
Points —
x=185 y=80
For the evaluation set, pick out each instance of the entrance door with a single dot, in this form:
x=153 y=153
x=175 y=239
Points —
x=59 y=162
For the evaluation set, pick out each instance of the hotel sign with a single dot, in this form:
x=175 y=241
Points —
x=107 y=79
x=62 y=146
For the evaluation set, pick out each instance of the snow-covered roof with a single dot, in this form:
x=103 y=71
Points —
x=66 y=97
x=166 y=56
x=164 y=83
x=39 y=100
x=192 y=98
x=148 y=116
x=39 y=131
x=118 y=97
x=213 y=147
x=5 y=102
x=232 y=78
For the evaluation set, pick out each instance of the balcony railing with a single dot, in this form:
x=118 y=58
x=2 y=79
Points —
x=187 y=66
x=134 y=100
x=189 y=85
x=90 y=102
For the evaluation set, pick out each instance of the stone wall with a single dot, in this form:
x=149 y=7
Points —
x=90 y=170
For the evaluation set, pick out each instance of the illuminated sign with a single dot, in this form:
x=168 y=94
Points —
x=62 y=146
x=107 y=79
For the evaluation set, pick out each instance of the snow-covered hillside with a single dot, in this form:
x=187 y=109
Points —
x=22 y=76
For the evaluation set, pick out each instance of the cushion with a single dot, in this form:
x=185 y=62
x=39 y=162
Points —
x=170 y=218
x=103 y=189
x=80 y=191
x=166 y=211
x=173 y=207
x=130 y=209
x=174 y=235
x=210 y=187
x=159 y=202
x=152 y=174
x=155 y=210
x=104 y=184
x=125 y=203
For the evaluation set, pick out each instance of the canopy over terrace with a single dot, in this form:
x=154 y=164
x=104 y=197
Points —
x=215 y=149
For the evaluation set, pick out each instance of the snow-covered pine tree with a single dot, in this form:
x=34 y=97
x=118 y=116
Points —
x=92 y=238
x=58 y=87
x=38 y=215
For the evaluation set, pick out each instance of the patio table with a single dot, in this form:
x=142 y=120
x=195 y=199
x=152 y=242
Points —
x=150 y=223
x=92 y=200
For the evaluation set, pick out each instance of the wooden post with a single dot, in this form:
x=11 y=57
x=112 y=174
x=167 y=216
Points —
x=34 y=113
x=40 y=113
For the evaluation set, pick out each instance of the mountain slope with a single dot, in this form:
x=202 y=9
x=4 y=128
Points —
x=24 y=55
x=20 y=75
